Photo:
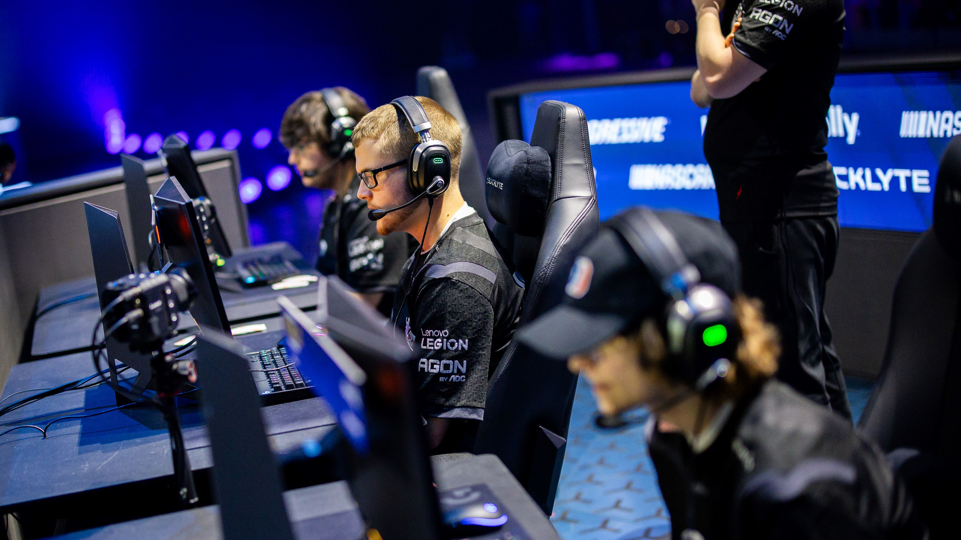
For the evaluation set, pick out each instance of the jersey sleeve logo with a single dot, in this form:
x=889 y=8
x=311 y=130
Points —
x=579 y=281
x=409 y=335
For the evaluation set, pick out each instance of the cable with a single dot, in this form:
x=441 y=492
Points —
x=184 y=347
x=61 y=303
x=43 y=430
x=79 y=384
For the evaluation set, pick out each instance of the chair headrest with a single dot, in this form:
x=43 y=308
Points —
x=518 y=186
x=947 y=200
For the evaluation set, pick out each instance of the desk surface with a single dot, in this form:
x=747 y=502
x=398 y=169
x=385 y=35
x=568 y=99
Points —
x=328 y=512
x=115 y=448
x=69 y=327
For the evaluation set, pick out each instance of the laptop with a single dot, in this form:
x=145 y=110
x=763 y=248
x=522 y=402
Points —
x=277 y=379
x=389 y=473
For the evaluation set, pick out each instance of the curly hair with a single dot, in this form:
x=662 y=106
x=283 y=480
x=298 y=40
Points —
x=754 y=362
x=308 y=118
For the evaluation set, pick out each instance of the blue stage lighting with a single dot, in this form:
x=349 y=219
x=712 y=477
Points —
x=231 y=140
x=183 y=136
x=205 y=141
x=250 y=190
x=279 y=177
x=152 y=143
x=132 y=144
x=114 y=131
x=262 y=138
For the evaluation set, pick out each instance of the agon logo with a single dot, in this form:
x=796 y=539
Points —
x=579 y=281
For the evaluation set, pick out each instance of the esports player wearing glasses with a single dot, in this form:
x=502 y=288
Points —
x=457 y=302
x=316 y=130
x=653 y=318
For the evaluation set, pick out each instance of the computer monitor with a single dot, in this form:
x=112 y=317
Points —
x=176 y=159
x=334 y=376
x=393 y=483
x=181 y=237
x=138 y=204
x=111 y=261
x=888 y=124
x=247 y=483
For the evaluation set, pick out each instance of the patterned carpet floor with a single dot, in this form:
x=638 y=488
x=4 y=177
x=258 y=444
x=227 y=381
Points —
x=608 y=489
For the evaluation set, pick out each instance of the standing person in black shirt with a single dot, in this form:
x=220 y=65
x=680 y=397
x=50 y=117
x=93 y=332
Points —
x=316 y=130
x=767 y=77
x=653 y=317
x=457 y=303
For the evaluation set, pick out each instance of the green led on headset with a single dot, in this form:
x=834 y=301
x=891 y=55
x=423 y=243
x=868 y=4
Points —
x=714 y=335
x=439 y=160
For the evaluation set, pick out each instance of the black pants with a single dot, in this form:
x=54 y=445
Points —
x=786 y=264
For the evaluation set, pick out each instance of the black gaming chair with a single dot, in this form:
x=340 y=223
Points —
x=529 y=397
x=914 y=413
x=435 y=83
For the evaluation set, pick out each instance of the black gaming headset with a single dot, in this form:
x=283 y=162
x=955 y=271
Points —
x=428 y=167
x=342 y=127
x=699 y=323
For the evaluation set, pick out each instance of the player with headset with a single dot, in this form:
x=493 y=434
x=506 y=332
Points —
x=316 y=129
x=653 y=318
x=457 y=302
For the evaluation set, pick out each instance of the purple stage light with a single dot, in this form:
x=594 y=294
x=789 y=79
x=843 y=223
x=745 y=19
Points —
x=152 y=143
x=262 y=138
x=231 y=140
x=132 y=144
x=250 y=190
x=279 y=177
x=183 y=136
x=205 y=141
x=114 y=131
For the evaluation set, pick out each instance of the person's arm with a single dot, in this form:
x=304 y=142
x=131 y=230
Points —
x=699 y=94
x=724 y=71
x=371 y=299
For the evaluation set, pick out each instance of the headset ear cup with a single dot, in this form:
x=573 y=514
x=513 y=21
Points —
x=700 y=329
x=414 y=181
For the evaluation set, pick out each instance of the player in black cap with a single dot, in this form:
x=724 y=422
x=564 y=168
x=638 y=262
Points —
x=653 y=317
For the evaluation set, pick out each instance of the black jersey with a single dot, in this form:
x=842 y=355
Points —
x=766 y=144
x=457 y=307
x=351 y=249
x=782 y=467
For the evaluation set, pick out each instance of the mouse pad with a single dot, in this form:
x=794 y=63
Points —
x=453 y=498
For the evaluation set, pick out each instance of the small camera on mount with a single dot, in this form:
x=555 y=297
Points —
x=152 y=304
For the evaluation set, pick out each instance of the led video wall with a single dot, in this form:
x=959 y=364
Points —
x=886 y=133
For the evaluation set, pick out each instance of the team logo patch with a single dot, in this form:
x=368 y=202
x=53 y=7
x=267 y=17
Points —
x=409 y=334
x=579 y=282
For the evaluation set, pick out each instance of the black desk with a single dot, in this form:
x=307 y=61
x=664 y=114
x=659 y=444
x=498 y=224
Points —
x=69 y=328
x=327 y=512
x=85 y=462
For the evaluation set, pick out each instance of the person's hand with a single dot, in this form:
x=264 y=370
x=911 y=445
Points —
x=700 y=5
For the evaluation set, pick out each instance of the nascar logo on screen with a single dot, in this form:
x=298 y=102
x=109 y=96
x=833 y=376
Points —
x=930 y=124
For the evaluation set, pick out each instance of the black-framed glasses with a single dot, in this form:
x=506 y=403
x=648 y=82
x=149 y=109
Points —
x=369 y=178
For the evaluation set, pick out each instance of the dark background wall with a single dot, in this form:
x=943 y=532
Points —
x=194 y=66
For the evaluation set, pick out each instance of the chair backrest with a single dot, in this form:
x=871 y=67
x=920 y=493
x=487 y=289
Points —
x=529 y=397
x=435 y=83
x=917 y=400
